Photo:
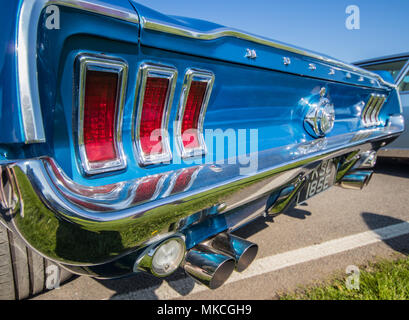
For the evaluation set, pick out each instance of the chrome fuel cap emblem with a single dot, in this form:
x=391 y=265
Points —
x=320 y=118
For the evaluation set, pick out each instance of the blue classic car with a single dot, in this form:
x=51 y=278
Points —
x=132 y=141
x=396 y=70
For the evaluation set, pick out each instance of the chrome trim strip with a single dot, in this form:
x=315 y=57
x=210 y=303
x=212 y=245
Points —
x=102 y=63
x=375 y=105
x=193 y=75
x=150 y=24
x=3 y=200
x=32 y=119
x=26 y=43
x=368 y=107
x=156 y=71
x=375 y=113
x=370 y=114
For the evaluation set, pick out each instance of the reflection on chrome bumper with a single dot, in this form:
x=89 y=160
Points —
x=89 y=228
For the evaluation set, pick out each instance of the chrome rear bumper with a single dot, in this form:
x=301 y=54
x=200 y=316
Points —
x=102 y=231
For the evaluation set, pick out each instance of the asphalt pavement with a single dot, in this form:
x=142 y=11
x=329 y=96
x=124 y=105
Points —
x=306 y=245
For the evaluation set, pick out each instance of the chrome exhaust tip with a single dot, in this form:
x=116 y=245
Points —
x=208 y=268
x=244 y=252
x=367 y=160
x=356 y=180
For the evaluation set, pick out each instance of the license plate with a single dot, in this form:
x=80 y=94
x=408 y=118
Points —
x=319 y=180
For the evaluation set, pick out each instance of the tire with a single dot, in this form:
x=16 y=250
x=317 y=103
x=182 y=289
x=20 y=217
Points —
x=23 y=271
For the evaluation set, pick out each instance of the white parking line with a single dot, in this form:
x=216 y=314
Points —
x=178 y=288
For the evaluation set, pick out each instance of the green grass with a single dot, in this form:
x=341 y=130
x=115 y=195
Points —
x=386 y=280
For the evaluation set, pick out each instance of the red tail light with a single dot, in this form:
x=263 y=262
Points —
x=155 y=97
x=99 y=116
x=152 y=114
x=102 y=87
x=190 y=121
x=196 y=93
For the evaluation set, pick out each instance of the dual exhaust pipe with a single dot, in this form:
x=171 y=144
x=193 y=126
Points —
x=213 y=261
x=356 y=180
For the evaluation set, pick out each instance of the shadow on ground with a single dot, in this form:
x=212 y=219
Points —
x=378 y=221
x=142 y=286
x=297 y=213
x=393 y=167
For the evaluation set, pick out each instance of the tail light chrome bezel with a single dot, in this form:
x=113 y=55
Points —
x=95 y=62
x=147 y=70
x=190 y=76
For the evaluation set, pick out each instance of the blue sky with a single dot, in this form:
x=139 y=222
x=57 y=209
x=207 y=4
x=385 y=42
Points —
x=318 y=25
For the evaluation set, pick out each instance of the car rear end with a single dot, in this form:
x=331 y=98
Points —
x=142 y=140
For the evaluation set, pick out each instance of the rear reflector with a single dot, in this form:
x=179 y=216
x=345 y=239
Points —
x=183 y=180
x=102 y=85
x=155 y=98
x=196 y=92
x=149 y=188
